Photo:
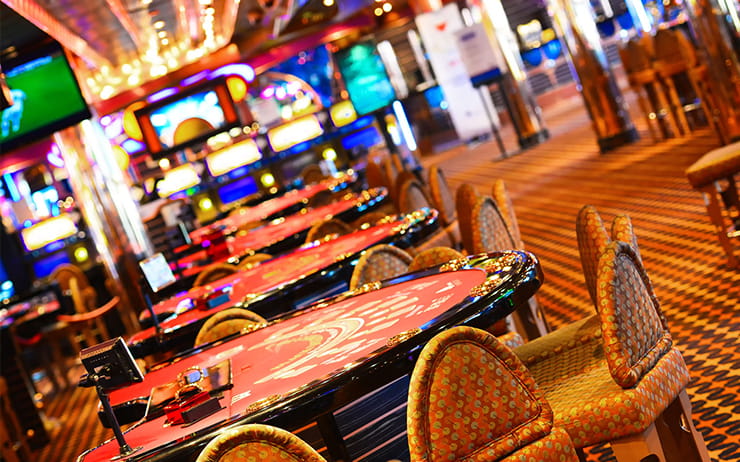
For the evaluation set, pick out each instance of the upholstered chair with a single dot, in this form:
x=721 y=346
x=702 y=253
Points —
x=214 y=273
x=444 y=201
x=379 y=262
x=433 y=257
x=227 y=322
x=465 y=198
x=257 y=442
x=327 y=229
x=592 y=241
x=471 y=399
x=627 y=385
x=253 y=260
x=506 y=207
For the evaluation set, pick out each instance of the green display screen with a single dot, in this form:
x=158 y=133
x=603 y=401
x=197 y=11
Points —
x=364 y=75
x=46 y=98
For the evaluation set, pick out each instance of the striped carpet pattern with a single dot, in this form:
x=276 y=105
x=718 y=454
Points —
x=548 y=184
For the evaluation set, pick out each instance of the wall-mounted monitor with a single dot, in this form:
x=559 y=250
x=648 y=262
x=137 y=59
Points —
x=46 y=96
x=187 y=118
x=365 y=77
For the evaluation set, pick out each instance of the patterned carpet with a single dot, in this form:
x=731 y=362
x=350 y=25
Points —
x=548 y=184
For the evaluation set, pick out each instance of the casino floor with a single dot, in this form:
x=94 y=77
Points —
x=548 y=184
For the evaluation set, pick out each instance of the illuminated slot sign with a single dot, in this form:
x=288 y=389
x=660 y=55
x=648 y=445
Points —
x=288 y=135
x=178 y=179
x=343 y=113
x=44 y=233
x=232 y=157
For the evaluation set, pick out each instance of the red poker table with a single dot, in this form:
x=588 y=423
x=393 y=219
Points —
x=287 y=282
x=273 y=208
x=304 y=370
x=282 y=234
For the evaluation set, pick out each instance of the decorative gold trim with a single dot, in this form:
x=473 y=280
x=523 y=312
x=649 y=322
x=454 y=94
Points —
x=491 y=283
x=402 y=337
x=501 y=263
x=454 y=265
x=264 y=402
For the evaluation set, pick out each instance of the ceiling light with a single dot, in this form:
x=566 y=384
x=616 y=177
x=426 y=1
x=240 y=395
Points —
x=328 y=3
x=387 y=7
x=378 y=11
x=162 y=34
x=158 y=24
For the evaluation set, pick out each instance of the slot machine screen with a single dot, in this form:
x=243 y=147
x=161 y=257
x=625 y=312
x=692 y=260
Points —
x=157 y=272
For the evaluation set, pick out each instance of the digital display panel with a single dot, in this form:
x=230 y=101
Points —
x=48 y=231
x=365 y=77
x=191 y=116
x=157 y=272
x=39 y=107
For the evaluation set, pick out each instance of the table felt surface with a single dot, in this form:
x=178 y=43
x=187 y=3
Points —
x=275 y=231
x=293 y=355
x=269 y=275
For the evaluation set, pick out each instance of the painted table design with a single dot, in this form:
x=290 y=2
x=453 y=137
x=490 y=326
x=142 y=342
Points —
x=279 y=275
x=286 y=366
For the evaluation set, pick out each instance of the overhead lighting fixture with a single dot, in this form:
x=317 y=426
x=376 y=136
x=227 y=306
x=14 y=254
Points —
x=158 y=24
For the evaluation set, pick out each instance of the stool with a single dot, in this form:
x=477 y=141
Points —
x=714 y=175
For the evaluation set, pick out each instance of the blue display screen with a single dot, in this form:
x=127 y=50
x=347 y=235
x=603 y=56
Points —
x=366 y=137
x=238 y=189
x=45 y=266
x=365 y=77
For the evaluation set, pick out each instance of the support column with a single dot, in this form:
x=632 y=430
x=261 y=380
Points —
x=110 y=212
x=716 y=28
x=525 y=113
x=574 y=24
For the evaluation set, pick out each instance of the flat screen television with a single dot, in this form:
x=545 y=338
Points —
x=365 y=77
x=187 y=118
x=40 y=106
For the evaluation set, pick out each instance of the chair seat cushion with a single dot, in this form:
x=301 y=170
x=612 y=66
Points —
x=716 y=164
x=592 y=407
x=555 y=446
x=586 y=330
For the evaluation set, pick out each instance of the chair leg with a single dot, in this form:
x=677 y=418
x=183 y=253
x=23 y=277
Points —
x=712 y=201
x=637 y=448
x=677 y=107
x=530 y=320
x=681 y=440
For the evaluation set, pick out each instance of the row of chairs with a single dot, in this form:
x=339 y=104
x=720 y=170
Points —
x=614 y=377
x=670 y=82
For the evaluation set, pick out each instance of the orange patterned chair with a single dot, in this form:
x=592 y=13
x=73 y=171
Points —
x=227 y=322
x=628 y=386
x=214 y=272
x=433 y=257
x=465 y=198
x=471 y=399
x=443 y=200
x=257 y=442
x=327 y=229
x=379 y=262
x=592 y=241
x=489 y=234
x=506 y=206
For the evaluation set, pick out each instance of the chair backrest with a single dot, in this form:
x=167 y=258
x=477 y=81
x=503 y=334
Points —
x=506 y=207
x=470 y=395
x=213 y=273
x=632 y=325
x=375 y=176
x=592 y=241
x=328 y=227
x=227 y=322
x=257 y=442
x=312 y=174
x=378 y=263
x=490 y=232
x=433 y=257
x=253 y=260
x=622 y=230
x=465 y=198
x=411 y=196
x=441 y=196
x=672 y=46
x=402 y=177
x=65 y=272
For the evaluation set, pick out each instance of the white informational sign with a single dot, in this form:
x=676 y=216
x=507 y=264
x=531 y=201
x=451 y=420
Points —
x=477 y=51
x=437 y=30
